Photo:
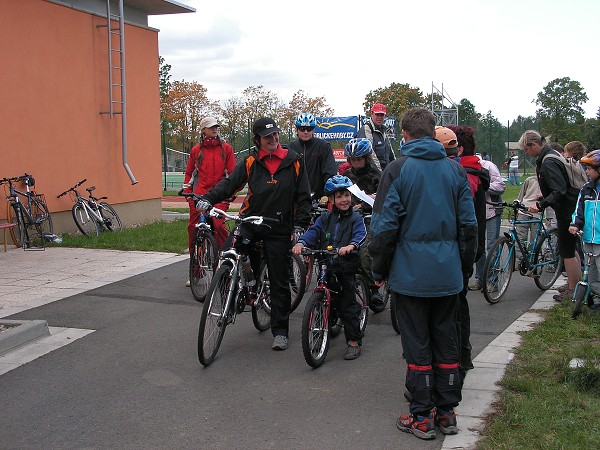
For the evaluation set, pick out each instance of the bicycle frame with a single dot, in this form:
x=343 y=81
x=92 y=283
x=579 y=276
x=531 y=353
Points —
x=527 y=262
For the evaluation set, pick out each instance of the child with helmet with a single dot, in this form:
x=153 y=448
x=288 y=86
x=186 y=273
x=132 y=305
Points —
x=344 y=229
x=364 y=173
x=585 y=219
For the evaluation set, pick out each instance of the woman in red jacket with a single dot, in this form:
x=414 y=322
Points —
x=211 y=160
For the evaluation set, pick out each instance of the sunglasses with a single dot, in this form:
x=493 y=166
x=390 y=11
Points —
x=305 y=129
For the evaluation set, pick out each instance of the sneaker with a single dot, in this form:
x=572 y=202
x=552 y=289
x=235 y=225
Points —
x=564 y=295
x=422 y=427
x=188 y=283
x=562 y=288
x=475 y=284
x=352 y=351
x=280 y=342
x=446 y=420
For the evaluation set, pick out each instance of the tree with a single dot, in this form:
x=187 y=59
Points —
x=490 y=136
x=397 y=97
x=467 y=114
x=591 y=131
x=301 y=102
x=164 y=76
x=560 y=109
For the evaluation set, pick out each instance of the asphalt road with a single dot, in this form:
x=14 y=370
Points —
x=136 y=381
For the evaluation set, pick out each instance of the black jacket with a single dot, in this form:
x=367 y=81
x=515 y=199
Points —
x=286 y=194
x=367 y=179
x=554 y=184
x=319 y=161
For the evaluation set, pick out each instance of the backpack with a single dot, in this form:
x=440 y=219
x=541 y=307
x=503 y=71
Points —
x=575 y=172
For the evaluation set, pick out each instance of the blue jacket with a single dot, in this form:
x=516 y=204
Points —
x=587 y=214
x=424 y=227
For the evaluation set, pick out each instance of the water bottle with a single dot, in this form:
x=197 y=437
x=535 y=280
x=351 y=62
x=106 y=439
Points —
x=247 y=268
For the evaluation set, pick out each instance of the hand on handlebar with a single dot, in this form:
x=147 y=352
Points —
x=346 y=249
x=297 y=249
x=203 y=206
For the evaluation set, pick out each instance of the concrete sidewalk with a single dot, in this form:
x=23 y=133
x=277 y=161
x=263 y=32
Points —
x=35 y=278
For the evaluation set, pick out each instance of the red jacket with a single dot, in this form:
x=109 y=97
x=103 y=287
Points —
x=217 y=163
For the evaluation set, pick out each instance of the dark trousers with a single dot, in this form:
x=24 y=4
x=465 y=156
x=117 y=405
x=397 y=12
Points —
x=276 y=250
x=430 y=346
x=348 y=307
x=463 y=324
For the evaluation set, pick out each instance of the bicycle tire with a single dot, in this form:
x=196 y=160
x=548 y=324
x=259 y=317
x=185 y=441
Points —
x=579 y=296
x=112 y=222
x=86 y=224
x=363 y=294
x=498 y=269
x=393 y=312
x=297 y=280
x=43 y=219
x=261 y=307
x=546 y=253
x=203 y=263
x=14 y=214
x=309 y=262
x=315 y=330
x=213 y=319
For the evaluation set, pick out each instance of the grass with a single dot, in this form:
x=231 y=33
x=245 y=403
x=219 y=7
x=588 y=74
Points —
x=160 y=236
x=544 y=403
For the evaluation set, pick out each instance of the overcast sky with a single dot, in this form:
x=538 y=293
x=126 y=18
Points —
x=497 y=53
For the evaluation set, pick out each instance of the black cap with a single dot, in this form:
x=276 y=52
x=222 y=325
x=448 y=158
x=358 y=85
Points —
x=265 y=126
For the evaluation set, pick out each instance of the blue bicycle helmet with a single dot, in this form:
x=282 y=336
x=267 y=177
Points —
x=337 y=183
x=306 y=120
x=358 y=147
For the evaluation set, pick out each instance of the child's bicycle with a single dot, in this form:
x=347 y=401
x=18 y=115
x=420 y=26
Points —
x=582 y=292
x=229 y=294
x=540 y=259
x=320 y=319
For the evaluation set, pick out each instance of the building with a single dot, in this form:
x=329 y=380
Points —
x=61 y=121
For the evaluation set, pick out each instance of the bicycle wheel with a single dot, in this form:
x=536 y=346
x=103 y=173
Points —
x=363 y=294
x=214 y=317
x=393 y=316
x=261 y=307
x=15 y=214
x=86 y=223
x=112 y=222
x=203 y=262
x=308 y=261
x=498 y=269
x=43 y=220
x=297 y=280
x=579 y=296
x=315 y=330
x=547 y=259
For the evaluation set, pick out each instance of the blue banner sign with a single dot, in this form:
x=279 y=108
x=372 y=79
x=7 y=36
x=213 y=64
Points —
x=336 y=128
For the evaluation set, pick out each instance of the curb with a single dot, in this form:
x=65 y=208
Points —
x=24 y=332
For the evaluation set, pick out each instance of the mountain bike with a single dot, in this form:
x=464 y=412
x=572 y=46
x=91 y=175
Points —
x=229 y=294
x=540 y=258
x=320 y=318
x=92 y=215
x=582 y=291
x=204 y=256
x=32 y=218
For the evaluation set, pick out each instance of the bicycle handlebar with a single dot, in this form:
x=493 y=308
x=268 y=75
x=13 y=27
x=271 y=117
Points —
x=19 y=178
x=516 y=204
x=72 y=188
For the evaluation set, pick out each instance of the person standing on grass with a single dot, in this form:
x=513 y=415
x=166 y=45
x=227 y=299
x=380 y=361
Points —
x=210 y=161
x=557 y=193
x=424 y=239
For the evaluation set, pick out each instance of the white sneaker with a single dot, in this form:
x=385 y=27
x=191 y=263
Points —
x=475 y=285
x=187 y=283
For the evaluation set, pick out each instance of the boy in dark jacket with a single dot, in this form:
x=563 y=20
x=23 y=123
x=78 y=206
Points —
x=344 y=229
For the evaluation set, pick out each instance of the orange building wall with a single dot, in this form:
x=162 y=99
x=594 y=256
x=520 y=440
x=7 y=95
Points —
x=54 y=83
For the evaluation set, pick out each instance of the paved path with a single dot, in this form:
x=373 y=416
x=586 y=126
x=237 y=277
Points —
x=130 y=377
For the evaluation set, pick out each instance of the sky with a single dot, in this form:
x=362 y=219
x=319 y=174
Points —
x=496 y=53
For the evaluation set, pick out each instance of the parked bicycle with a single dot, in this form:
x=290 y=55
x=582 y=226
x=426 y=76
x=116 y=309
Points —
x=229 y=294
x=582 y=293
x=32 y=217
x=320 y=319
x=92 y=215
x=205 y=254
x=540 y=257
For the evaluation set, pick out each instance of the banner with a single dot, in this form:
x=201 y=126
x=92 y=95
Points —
x=336 y=128
x=389 y=124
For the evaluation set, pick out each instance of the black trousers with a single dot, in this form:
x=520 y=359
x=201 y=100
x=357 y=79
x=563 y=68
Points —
x=431 y=348
x=464 y=329
x=276 y=250
x=348 y=307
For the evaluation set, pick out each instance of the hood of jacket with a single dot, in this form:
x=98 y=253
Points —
x=424 y=148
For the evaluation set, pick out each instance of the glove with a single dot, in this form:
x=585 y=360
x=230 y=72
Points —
x=298 y=231
x=202 y=205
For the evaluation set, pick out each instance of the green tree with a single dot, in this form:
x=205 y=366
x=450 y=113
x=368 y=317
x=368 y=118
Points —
x=490 y=137
x=301 y=102
x=561 y=111
x=397 y=97
x=164 y=76
x=591 y=131
x=467 y=114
